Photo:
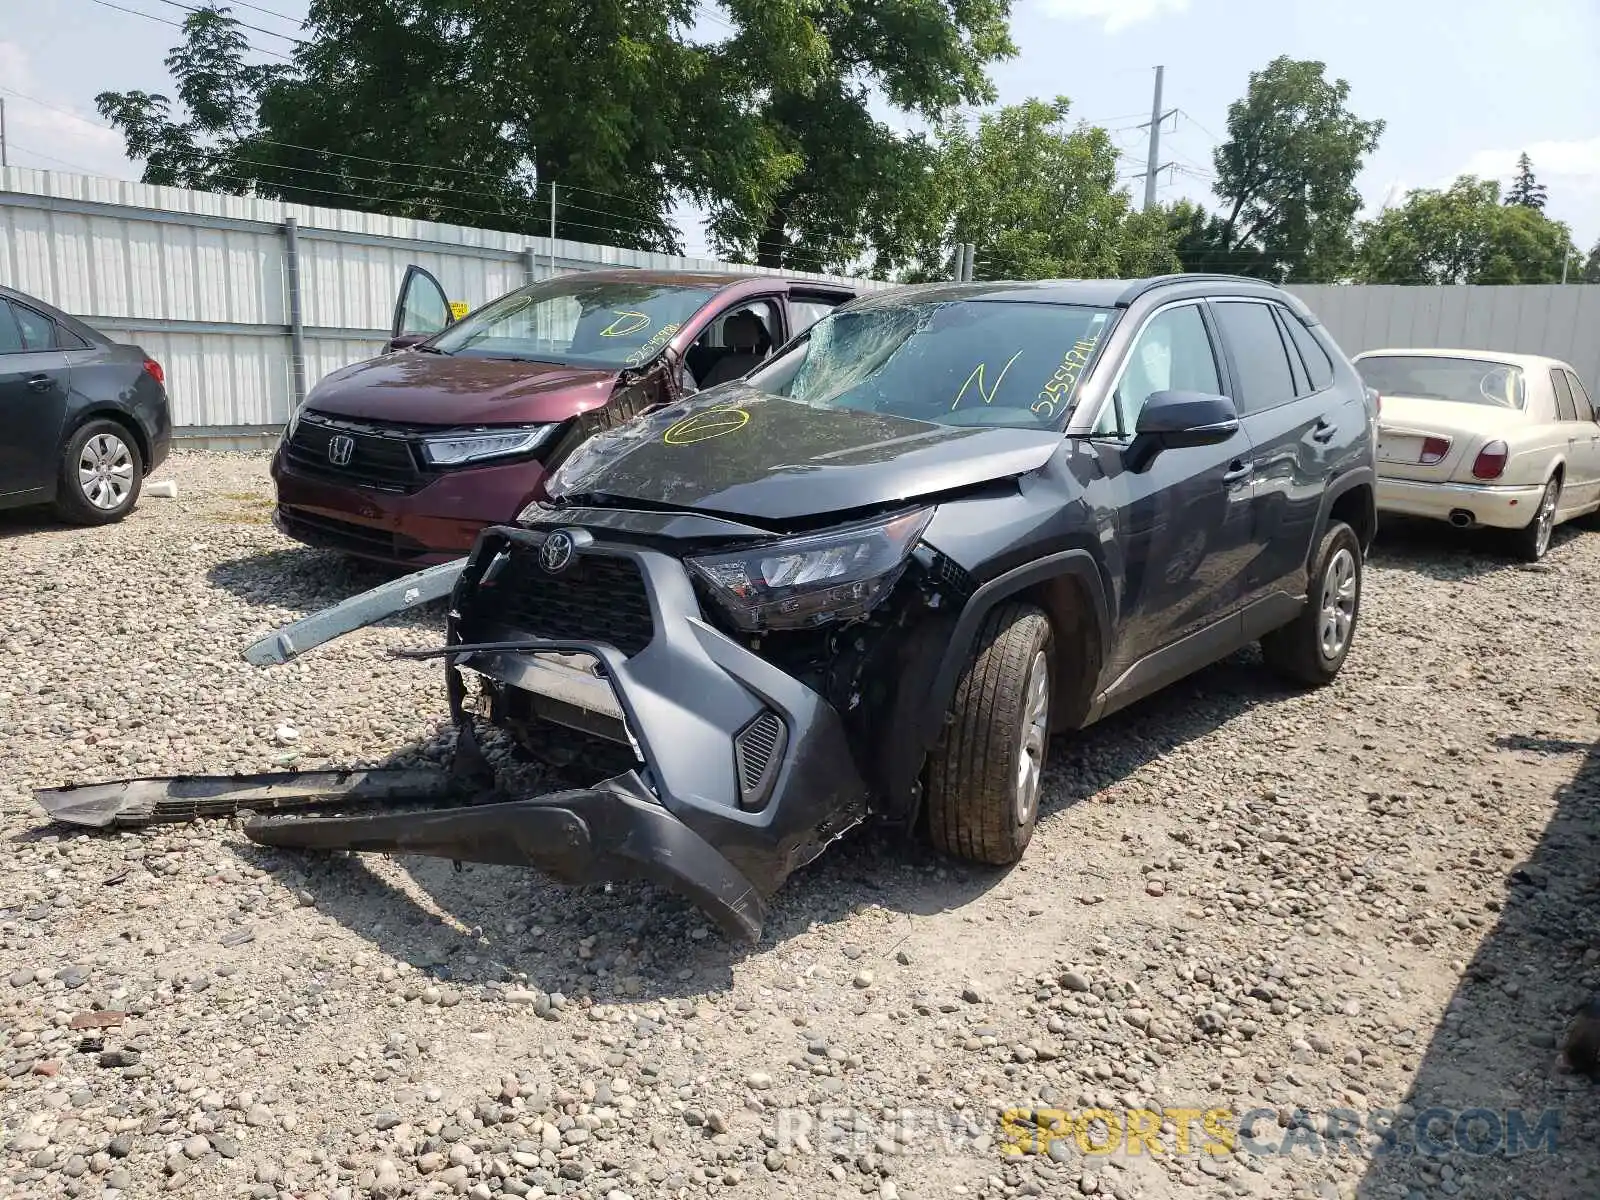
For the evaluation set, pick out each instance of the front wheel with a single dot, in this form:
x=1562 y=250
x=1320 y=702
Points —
x=1533 y=539
x=1312 y=647
x=985 y=775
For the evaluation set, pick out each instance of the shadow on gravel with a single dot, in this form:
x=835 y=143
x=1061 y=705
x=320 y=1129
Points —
x=19 y=522
x=308 y=580
x=1439 y=551
x=1536 y=1134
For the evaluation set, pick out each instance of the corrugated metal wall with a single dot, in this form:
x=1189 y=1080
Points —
x=200 y=280
x=1560 y=321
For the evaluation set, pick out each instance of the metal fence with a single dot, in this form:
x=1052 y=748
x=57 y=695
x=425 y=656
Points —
x=205 y=282
x=1559 y=320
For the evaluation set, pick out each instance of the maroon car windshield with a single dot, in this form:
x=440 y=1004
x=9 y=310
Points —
x=576 y=322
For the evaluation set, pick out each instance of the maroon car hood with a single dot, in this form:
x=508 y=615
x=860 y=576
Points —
x=436 y=389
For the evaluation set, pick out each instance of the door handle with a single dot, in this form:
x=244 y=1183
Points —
x=39 y=383
x=1238 y=472
x=1324 y=431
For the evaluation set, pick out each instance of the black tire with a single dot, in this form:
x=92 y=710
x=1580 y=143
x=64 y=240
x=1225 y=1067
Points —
x=975 y=772
x=1298 y=651
x=1532 y=541
x=119 y=484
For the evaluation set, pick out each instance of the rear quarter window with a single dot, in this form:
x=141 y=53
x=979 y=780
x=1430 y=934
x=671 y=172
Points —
x=1318 y=365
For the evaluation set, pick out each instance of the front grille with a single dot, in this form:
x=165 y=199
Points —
x=598 y=598
x=381 y=456
x=329 y=534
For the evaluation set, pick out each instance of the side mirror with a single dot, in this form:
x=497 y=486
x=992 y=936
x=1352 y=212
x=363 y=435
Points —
x=407 y=340
x=1171 y=420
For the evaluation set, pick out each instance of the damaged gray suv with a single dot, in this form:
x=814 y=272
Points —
x=874 y=577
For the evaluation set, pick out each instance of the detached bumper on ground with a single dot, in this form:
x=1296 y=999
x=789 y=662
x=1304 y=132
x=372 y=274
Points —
x=1500 y=507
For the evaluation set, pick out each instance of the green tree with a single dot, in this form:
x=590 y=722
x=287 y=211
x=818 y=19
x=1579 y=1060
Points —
x=1463 y=234
x=1286 y=175
x=1591 y=266
x=1038 y=198
x=838 y=182
x=1200 y=241
x=1525 y=189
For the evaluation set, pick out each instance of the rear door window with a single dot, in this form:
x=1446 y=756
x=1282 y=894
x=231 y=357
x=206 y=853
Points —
x=806 y=311
x=1565 y=410
x=10 y=335
x=38 y=330
x=1580 y=398
x=1265 y=380
x=1318 y=365
x=1297 y=366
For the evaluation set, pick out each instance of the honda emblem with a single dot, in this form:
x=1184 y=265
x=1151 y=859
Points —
x=340 y=448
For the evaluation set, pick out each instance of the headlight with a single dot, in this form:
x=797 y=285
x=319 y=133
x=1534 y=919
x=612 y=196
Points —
x=294 y=421
x=458 y=448
x=812 y=580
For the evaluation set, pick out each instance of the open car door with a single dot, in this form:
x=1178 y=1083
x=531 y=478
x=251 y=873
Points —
x=421 y=311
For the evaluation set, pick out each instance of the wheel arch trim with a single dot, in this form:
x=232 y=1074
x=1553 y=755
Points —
x=1076 y=564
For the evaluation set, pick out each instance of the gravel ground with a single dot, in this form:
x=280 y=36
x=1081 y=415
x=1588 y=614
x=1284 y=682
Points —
x=1287 y=914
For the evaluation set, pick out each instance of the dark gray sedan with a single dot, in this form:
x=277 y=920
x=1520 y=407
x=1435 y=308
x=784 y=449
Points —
x=83 y=419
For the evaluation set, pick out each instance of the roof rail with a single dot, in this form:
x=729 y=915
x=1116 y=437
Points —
x=1139 y=287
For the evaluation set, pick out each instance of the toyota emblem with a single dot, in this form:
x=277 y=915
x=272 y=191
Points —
x=556 y=553
x=340 y=448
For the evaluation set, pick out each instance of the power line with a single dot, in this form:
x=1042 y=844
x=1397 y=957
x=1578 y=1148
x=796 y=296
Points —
x=1200 y=127
x=176 y=25
x=236 y=21
x=15 y=145
x=269 y=11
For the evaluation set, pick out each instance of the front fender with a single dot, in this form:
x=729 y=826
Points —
x=1078 y=565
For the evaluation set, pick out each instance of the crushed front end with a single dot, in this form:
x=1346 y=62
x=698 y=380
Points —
x=652 y=654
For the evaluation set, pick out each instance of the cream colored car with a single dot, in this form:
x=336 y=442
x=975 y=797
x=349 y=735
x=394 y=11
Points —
x=1476 y=438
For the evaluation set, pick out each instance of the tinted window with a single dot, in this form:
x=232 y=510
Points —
x=38 y=330
x=1297 y=366
x=1318 y=365
x=1172 y=353
x=1580 y=398
x=10 y=335
x=804 y=313
x=1564 y=407
x=1264 y=379
x=67 y=340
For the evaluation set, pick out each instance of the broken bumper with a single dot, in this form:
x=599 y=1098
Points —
x=616 y=830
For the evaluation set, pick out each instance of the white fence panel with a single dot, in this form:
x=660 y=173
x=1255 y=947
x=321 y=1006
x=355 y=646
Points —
x=201 y=282
x=1562 y=321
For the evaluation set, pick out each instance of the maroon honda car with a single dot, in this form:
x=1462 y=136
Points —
x=405 y=457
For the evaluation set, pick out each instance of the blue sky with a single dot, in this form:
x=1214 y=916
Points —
x=1465 y=85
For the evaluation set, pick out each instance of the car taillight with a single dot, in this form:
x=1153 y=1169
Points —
x=153 y=369
x=1491 y=461
x=1434 y=449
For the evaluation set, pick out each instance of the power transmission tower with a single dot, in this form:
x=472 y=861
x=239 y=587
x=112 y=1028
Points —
x=1153 y=164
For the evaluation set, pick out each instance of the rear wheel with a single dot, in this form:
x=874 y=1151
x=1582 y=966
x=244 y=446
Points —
x=100 y=476
x=1533 y=539
x=1312 y=647
x=984 y=777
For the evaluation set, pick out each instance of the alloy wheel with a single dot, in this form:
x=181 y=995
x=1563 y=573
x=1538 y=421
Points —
x=1546 y=517
x=1338 y=603
x=1035 y=737
x=105 y=471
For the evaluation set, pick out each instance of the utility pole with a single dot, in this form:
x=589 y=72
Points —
x=552 y=229
x=3 y=163
x=1153 y=164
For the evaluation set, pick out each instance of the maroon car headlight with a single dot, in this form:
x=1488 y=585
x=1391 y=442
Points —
x=801 y=582
x=454 y=449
